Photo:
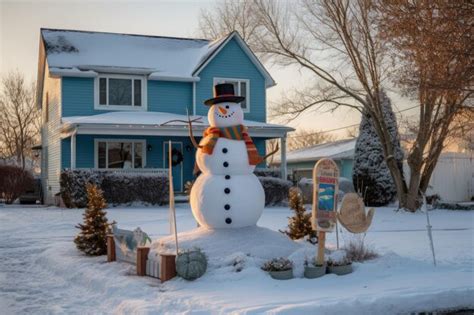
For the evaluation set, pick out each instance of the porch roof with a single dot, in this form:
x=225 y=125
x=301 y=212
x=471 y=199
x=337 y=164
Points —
x=155 y=123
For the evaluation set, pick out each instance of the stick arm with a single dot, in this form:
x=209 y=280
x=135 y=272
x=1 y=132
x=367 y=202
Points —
x=271 y=153
x=191 y=135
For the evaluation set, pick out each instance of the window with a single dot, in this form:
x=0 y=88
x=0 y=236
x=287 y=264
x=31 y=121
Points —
x=241 y=88
x=123 y=154
x=120 y=92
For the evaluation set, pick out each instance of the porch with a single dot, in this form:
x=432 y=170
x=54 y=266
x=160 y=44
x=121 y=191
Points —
x=138 y=142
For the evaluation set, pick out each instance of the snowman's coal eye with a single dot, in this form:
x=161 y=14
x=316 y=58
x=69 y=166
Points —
x=227 y=106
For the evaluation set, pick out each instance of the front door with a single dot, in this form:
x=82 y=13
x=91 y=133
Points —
x=177 y=164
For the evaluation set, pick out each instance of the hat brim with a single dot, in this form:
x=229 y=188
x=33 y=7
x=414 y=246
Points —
x=222 y=99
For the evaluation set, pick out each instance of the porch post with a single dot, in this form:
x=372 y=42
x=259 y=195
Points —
x=73 y=151
x=283 y=170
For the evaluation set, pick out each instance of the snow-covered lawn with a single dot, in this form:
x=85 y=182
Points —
x=41 y=272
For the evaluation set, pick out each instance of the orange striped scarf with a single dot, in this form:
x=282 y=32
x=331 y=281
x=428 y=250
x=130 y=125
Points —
x=239 y=132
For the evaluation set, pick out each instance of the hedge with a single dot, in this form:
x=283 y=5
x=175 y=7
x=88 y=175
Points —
x=276 y=190
x=267 y=172
x=118 y=188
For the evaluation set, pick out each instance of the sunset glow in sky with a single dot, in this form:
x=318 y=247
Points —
x=20 y=22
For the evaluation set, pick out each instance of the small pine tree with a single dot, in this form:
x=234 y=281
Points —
x=92 y=239
x=371 y=176
x=299 y=225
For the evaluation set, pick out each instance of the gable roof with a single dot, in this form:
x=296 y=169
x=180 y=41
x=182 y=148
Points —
x=84 y=53
x=219 y=44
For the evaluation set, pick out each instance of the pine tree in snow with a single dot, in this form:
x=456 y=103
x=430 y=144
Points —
x=92 y=239
x=371 y=175
x=299 y=225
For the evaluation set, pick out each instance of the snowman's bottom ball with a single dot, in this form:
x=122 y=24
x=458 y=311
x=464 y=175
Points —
x=217 y=202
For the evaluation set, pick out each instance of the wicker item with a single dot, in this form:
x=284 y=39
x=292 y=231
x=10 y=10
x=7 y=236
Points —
x=352 y=214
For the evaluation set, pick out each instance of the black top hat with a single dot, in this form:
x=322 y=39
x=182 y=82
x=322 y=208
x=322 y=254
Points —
x=224 y=92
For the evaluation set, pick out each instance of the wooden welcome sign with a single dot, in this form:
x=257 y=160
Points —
x=325 y=189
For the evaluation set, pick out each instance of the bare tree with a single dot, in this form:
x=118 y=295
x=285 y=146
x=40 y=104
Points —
x=352 y=132
x=229 y=16
x=304 y=138
x=19 y=118
x=340 y=44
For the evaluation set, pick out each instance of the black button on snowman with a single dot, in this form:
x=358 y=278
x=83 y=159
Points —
x=227 y=194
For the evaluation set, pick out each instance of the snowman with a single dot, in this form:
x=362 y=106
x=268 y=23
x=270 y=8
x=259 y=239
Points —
x=227 y=194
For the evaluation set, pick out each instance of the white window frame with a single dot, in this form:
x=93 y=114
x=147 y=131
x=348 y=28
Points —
x=132 y=141
x=131 y=107
x=218 y=80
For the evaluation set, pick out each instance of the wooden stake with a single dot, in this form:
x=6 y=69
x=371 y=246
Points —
x=142 y=256
x=110 y=248
x=173 y=229
x=321 y=247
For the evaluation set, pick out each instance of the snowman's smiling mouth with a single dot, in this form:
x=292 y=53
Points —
x=226 y=116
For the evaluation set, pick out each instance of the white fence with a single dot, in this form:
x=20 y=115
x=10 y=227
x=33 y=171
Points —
x=453 y=177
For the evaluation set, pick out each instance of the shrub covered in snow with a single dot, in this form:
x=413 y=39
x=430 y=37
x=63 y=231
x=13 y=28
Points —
x=278 y=264
x=338 y=258
x=117 y=188
x=267 y=172
x=276 y=190
x=14 y=181
x=371 y=176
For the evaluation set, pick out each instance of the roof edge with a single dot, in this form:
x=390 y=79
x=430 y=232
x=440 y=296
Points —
x=125 y=34
x=269 y=81
x=41 y=70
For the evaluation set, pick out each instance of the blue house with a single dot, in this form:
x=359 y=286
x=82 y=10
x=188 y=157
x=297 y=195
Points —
x=300 y=162
x=113 y=101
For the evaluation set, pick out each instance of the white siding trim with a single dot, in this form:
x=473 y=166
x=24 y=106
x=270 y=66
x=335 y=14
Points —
x=194 y=98
x=247 y=95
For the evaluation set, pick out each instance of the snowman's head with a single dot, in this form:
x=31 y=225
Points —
x=225 y=114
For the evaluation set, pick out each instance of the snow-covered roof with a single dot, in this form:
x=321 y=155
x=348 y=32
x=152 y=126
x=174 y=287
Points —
x=167 y=56
x=157 y=121
x=84 y=53
x=337 y=150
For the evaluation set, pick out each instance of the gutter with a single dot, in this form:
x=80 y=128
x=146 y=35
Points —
x=159 y=130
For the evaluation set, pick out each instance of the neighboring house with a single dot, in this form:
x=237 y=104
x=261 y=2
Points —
x=300 y=163
x=452 y=179
x=106 y=97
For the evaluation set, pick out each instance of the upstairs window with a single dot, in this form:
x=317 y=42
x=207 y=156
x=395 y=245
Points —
x=241 y=88
x=120 y=92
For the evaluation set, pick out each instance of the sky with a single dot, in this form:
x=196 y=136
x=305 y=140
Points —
x=20 y=22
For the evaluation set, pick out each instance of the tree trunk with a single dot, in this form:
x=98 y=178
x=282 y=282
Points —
x=397 y=176
x=412 y=199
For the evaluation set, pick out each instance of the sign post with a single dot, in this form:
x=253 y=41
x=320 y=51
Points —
x=325 y=189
